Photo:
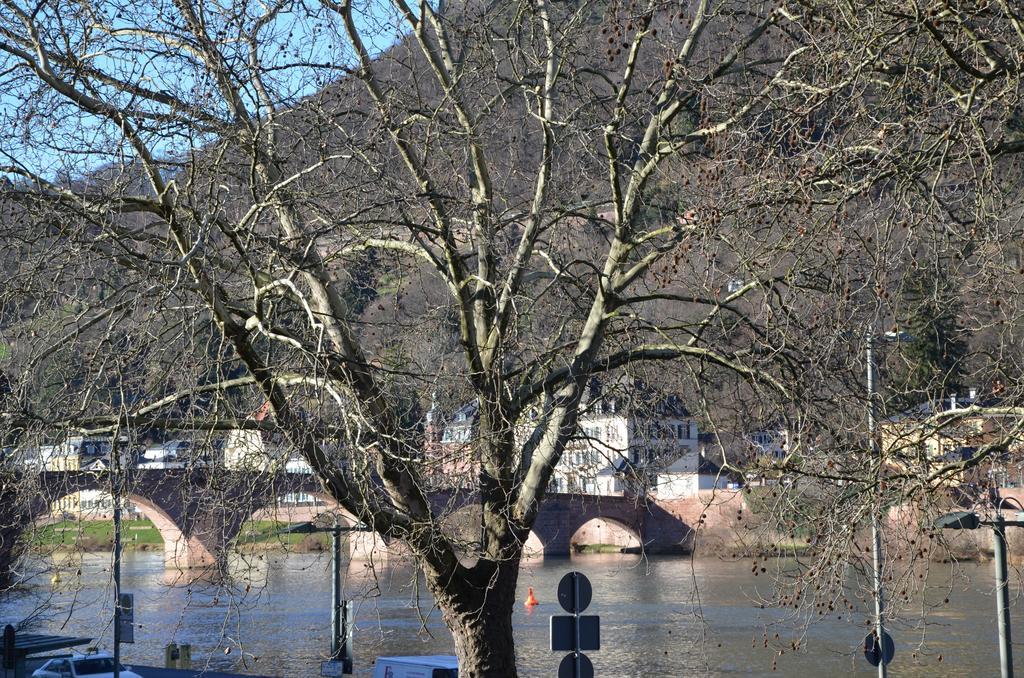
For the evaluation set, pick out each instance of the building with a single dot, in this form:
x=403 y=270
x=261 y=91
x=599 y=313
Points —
x=688 y=477
x=626 y=436
x=691 y=474
x=166 y=455
x=246 y=451
x=73 y=453
x=449 y=447
x=915 y=438
x=249 y=449
x=760 y=453
x=78 y=453
x=770 y=444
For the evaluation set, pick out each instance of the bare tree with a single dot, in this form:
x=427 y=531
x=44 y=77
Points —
x=344 y=208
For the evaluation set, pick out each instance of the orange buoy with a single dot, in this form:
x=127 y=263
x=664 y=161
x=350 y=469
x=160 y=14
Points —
x=530 y=600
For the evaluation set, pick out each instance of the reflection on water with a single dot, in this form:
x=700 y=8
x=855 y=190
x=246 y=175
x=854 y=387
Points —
x=659 y=617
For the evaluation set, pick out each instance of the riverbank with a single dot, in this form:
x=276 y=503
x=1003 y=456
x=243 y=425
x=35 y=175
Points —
x=95 y=535
x=260 y=536
x=142 y=535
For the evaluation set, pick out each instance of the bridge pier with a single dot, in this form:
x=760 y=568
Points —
x=187 y=553
x=371 y=546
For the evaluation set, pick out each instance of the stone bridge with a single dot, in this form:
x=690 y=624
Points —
x=200 y=512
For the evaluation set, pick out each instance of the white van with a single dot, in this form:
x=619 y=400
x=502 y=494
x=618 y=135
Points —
x=434 y=666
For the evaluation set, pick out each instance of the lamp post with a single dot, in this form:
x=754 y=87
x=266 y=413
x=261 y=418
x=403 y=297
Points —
x=116 y=493
x=967 y=520
x=872 y=417
x=876 y=532
x=341 y=610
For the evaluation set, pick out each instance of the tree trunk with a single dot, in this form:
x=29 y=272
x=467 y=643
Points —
x=14 y=520
x=478 y=612
x=484 y=643
x=11 y=551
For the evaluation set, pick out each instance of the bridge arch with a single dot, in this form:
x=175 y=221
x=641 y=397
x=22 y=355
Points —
x=179 y=550
x=199 y=513
x=533 y=547
x=605 y=533
x=290 y=508
x=465 y=525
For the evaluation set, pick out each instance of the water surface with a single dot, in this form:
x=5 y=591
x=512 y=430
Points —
x=659 y=617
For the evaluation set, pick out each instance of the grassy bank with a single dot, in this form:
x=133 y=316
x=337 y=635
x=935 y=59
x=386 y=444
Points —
x=604 y=548
x=96 y=535
x=262 y=535
x=142 y=535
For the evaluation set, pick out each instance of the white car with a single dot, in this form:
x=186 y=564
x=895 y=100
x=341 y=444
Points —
x=98 y=665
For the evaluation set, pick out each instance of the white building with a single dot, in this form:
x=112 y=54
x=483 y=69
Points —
x=252 y=449
x=688 y=476
x=627 y=436
x=245 y=451
x=771 y=443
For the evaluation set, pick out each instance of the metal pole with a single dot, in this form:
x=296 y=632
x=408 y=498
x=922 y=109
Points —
x=1002 y=597
x=346 y=637
x=116 y=496
x=576 y=621
x=336 y=640
x=876 y=533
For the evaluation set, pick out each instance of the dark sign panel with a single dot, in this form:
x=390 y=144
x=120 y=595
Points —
x=876 y=654
x=575 y=592
x=575 y=666
x=563 y=633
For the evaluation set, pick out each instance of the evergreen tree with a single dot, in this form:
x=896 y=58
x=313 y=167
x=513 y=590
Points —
x=935 y=357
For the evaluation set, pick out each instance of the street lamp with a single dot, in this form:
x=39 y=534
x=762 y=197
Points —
x=968 y=520
x=876 y=531
x=341 y=610
x=876 y=452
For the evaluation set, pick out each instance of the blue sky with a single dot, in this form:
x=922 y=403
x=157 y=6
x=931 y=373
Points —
x=303 y=49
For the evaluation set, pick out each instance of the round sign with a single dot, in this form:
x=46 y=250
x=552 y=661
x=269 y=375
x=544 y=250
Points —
x=575 y=592
x=873 y=654
x=567 y=668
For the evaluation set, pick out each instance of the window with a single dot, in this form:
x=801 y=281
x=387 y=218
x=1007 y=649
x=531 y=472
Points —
x=61 y=666
x=297 y=498
x=92 y=665
x=456 y=434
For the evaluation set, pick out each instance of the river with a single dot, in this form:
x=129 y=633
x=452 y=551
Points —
x=659 y=617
